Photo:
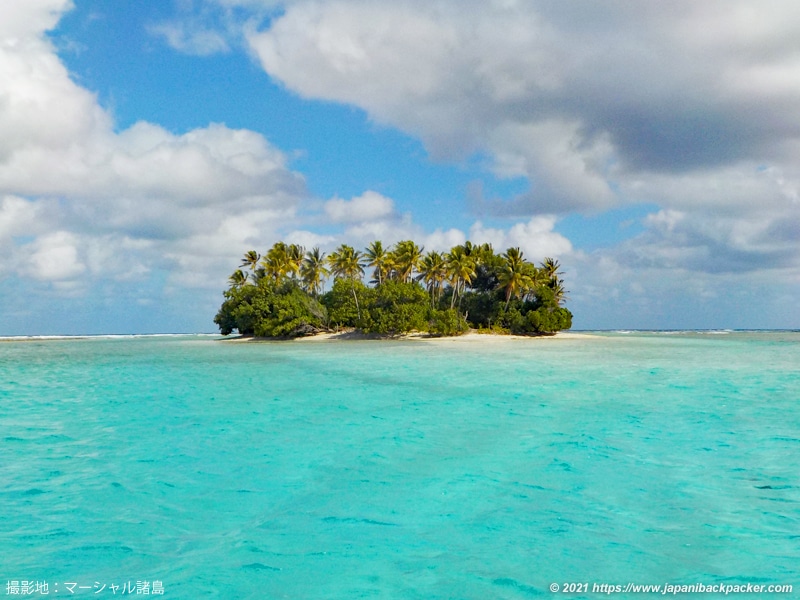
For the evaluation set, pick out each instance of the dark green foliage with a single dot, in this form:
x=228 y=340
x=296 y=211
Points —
x=225 y=320
x=270 y=311
x=236 y=313
x=289 y=312
x=548 y=320
x=513 y=320
x=538 y=315
x=397 y=307
x=485 y=279
x=544 y=296
x=483 y=309
x=470 y=286
x=341 y=303
x=391 y=308
x=447 y=322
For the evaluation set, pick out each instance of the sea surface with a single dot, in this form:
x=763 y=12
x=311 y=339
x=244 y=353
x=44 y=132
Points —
x=399 y=469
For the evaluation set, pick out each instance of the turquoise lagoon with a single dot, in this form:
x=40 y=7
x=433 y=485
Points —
x=402 y=469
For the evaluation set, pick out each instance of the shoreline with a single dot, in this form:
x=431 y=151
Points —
x=469 y=337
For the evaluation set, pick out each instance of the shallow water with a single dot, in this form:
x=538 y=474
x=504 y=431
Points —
x=400 y=469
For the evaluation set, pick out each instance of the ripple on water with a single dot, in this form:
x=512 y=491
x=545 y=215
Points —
x=401 y=470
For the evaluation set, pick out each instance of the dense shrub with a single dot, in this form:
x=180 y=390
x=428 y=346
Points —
x=483 y=309
x=344 y=301
x=470 y=286
x=397 y=307
x=513 y=319
x=289 y=312
x=548 y=320
x=267 y=311
x=447 y=322
x=236 y=312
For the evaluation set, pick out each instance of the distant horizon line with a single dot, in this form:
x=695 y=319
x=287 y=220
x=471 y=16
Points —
x=713 y=330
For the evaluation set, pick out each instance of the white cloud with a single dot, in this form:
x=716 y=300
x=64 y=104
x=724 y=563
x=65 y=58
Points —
x=389 y=230
x=674 y=240
x=19 y=20
x=566 y=171
x=199 y=167
x=535 y=238
x=54 y=257
x=40 y=108
x=442 y=241
x=688 y=106
x=101 y=254
x=190 y=38
x=18 y=217
x=81 y=201
x=586 y=108
x=309 y=239
x=370 y=206
x=627 y=79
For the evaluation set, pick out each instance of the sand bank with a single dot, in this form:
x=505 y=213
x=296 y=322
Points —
x=467 y=338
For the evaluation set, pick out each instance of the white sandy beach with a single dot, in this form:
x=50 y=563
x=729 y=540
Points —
x=467 y=338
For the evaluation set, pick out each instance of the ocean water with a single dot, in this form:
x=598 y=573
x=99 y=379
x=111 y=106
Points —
x=417 y=470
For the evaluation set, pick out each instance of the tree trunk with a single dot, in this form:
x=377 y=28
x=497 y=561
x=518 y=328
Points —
x=355 y=297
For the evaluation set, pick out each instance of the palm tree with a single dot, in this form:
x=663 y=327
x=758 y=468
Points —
x=514 y=277
x=390 y=268
x=472 y=252
x=534 y=277
x=550 y=277
x=378 y=258
x=276 y=261
x=550 y=268
x=485 y=251
x=345 y=263
x=250 y=260
x=559 y=292
x=294 y=258
x=487 y=267
x=433 y=272
x=406 y=256
x=238 y=279
x=313 y=271
x=460 y=268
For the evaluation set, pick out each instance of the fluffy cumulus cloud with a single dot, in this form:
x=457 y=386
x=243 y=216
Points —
x=372 y=216
x=370 y=206
x=81 y=202
x=536 y=238
x=689 y=106
x=686 y=106
x=54 y=257
x=95 y=222
x=656 y=87
x=83 y=205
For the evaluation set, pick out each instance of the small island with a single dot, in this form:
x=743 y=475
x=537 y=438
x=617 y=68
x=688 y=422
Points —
x=280 y=295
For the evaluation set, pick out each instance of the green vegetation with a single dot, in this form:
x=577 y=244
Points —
x=280 y=294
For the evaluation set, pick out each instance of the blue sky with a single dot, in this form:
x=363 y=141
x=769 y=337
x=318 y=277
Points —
x=146 y=145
